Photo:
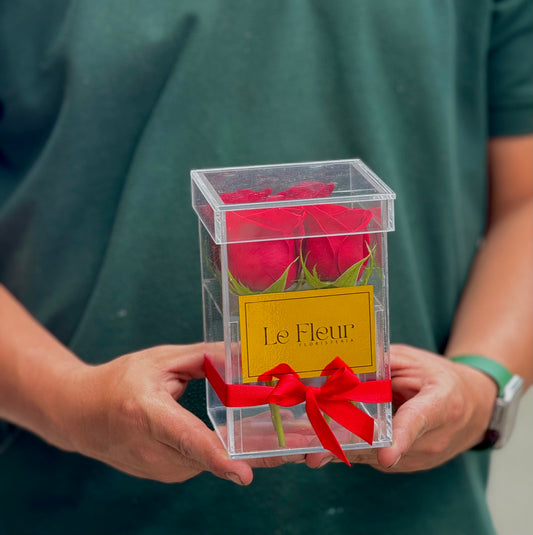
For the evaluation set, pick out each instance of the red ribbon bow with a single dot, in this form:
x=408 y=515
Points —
x=334 y=398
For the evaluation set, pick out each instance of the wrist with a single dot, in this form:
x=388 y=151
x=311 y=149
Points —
x=60 y=403
x=484 y=392
x=504 y=409
x=37 y=370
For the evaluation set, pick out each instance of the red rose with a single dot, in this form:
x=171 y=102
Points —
x=331 y=256
x=306 y=189
x=258 y=264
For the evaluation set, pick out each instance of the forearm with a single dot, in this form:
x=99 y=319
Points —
x=36 y=369
x=495 y=315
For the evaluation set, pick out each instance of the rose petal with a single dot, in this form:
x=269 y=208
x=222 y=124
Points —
x=332 y=255
x=355 y=218
x=258 y=265
x=245 y=195
x=264 y=224
x=336 y=219
x=306 y=189
x=319 y=253
x=352 y=250
x=324 y=219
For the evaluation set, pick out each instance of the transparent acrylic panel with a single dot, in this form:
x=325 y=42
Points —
x=233 y=265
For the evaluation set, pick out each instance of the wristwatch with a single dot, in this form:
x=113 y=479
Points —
x=510 y=389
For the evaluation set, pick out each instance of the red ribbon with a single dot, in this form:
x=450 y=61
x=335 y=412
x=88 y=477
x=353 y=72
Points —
x=334 y=398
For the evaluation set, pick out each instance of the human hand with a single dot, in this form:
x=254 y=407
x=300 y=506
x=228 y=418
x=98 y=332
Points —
x=124 y=413
x=443 y=409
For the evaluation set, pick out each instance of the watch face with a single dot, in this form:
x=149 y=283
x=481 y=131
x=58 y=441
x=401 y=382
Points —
x=513 y=388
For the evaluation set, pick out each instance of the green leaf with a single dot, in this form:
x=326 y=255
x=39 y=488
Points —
x=369 y=268
x=312 y=278
x=211 y=265
x=279 y=285
x=238 y=288
x=347 y=279
x=351 y=275
x=276 y=287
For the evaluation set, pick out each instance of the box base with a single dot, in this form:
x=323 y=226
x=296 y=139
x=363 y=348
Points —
x=250 y=433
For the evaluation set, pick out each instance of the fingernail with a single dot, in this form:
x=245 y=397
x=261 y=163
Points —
x=394 y=463
x=233 y=477
x=325 y=461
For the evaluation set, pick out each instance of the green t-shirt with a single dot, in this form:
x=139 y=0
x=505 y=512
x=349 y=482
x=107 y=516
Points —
x=106 y=106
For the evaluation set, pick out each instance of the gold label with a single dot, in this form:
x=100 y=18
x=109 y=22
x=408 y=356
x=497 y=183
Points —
x=307 y=330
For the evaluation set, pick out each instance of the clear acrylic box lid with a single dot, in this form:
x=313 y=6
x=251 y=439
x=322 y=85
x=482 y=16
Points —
x=354 y=186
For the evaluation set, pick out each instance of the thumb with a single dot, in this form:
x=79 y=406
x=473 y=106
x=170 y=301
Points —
x=409 y=423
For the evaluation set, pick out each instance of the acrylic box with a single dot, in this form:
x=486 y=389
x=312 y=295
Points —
x=295 y=296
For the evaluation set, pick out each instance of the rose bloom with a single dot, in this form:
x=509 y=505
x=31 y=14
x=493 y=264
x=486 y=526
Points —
x=331 y=256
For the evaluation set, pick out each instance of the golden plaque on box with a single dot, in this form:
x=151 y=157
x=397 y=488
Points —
x=304 y=329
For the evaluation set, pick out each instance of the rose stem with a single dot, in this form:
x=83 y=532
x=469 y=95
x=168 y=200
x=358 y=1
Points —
x=276 y=419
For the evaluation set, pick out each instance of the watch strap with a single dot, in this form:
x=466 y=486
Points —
x=498 y=372
x=489 y=441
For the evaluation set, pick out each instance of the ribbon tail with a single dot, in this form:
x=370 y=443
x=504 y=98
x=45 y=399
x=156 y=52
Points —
x=350 y=417
x=324 y=433
x=235 y=395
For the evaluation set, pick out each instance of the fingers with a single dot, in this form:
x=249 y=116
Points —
x=318 y=460
x=426 y=424
x=199 y=448
x=364 y=456
x=273 y=462
x=187 y=361
x=194 y=447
